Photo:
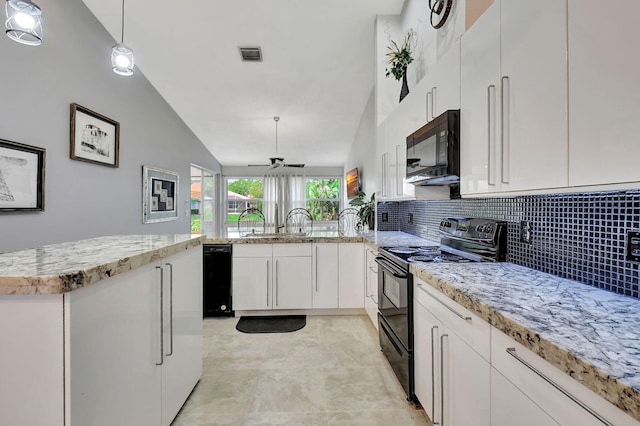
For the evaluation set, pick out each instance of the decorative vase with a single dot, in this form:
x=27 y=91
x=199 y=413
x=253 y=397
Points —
x=405 y=88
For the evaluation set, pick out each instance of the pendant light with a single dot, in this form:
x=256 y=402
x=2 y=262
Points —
x=24 y=22
x=121 y=55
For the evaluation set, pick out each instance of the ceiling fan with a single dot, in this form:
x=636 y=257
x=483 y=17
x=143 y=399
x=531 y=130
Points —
x=276 y=162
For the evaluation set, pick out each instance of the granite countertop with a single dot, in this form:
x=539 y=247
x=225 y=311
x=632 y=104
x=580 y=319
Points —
x=587 y=332
x=60 y=268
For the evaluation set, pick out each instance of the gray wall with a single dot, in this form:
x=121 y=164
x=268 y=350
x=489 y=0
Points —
x=84 y=200
x=363 y=150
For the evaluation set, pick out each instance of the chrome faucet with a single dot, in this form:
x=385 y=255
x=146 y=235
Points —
x=278 y=226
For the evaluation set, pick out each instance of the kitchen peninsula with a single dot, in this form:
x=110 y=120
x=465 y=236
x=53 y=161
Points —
x=106 y=330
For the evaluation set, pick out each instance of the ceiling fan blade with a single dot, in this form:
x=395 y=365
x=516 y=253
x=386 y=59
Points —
x=293 y=165
x=258 y=165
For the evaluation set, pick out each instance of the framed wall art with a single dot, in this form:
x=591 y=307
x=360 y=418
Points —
x=94 y=137
x=159 y=195
x=21 y=177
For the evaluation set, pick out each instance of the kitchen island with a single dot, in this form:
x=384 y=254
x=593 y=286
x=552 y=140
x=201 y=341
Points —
x=100 y=331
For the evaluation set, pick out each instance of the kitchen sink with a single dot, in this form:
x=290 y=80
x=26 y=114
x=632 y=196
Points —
x=276 y=235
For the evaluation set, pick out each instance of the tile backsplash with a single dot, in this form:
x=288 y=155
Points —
x=580 y=236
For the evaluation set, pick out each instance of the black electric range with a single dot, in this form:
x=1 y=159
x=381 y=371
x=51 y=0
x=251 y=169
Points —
x=463 y=240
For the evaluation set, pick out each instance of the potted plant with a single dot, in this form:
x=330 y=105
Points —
x=399 y=58
x=366 y=209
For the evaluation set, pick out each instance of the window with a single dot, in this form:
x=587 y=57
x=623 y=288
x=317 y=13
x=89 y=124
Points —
x=323 y=198
x=243 y=193
x=203 y=214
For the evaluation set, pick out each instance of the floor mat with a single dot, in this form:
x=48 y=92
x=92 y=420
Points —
x=271 y=324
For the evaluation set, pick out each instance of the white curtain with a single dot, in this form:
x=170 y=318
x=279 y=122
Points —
x=287 y=191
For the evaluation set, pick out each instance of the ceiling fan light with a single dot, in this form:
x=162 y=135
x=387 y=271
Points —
x=24 y=22
x=122 y=59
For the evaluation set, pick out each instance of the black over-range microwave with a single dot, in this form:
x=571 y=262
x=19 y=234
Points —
x=433 y=152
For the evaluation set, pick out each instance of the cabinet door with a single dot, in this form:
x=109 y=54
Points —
x=509 y=403
x=371 y=286
x=114 y=350
x=603 y=93
x=182 y=366
x=426 y=332
x=479 y=108
x=381 y=161
x=351 y=275
x=251 y=283
x=325 y=279
x=465 y=382
x=292 y=283
x=534 y=94
x=445 y=91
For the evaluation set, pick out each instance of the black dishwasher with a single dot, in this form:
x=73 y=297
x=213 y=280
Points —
x=216 y=291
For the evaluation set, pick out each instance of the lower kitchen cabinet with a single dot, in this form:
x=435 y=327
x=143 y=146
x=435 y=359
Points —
x=292 y=283
x=126 y=350
x=251 y=272
x=325 y=277
x=452 y=380
x=371 y=285
x=351 y=275
x=534 y=376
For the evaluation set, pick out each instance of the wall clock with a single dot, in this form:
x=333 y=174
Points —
x=440 y=10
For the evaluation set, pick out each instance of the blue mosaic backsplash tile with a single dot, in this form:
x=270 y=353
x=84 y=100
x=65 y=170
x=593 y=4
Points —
x=580 y=236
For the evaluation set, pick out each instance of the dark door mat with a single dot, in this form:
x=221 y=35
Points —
x=271 y=324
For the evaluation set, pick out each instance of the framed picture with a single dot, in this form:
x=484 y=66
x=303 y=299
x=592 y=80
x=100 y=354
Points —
x=159 y=195
x=21 y=177
x=94 y=137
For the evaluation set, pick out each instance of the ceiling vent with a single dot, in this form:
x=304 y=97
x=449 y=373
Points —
x=251 y=54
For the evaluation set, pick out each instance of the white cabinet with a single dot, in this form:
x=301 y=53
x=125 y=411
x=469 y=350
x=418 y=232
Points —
x=126 y=350
x=371 y=285
x=451 y=353
x=444 y=82
x=251 y=272
x=325 y=279
x=182 y=364
x=272 y=276
x=514 y=122
x=508 y=403
x=351 y=275
x=292 y=282
x=603 y=93
x=549 y=387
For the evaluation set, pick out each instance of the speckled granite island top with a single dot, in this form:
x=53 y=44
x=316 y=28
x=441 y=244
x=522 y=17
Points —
x=589 y=333
x=60 y=268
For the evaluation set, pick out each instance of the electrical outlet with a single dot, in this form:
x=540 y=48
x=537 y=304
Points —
x=410 y=217
x=385 y=217
x=633 y=246
x=526 y=229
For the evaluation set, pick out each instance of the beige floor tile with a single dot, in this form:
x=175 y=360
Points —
x=407 y=417
x=301 y=419
x=287 y=390
x=227 y=391
x=211 y=420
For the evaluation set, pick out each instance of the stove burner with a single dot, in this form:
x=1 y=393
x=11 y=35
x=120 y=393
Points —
x=429 y=249
x=403 y=250
x=421 y=258
x=448 y=257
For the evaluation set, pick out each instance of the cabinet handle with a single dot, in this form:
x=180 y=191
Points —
x=267 y=283
x=161 y=316
x=442 y=378
x=458 y=314
x=512 y=352
x=433 y=375
x=276 y=283
x=316 y=269
x=433 y=102
x=491 y=96
x=170 y=309
x=429 y=94
x=504 y=136
x=399 y=189
x=384 y=174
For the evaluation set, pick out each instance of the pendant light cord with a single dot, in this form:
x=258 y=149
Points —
x=276 y=120
x=122 y=35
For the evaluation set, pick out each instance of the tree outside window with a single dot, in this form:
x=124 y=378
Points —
x=323 y=198
x=243 y=193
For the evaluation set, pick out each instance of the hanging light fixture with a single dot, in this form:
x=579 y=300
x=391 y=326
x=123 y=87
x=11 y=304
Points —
x=24 y=22
x=121 y=55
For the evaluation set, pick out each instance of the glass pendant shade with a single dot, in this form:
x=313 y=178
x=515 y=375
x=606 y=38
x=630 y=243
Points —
x=122 y=59
x=24 y=22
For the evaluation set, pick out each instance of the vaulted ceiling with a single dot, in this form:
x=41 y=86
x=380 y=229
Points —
x=316 y=73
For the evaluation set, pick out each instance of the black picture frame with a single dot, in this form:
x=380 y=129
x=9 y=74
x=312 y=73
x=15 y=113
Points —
x=21 y=177
x=94 y=137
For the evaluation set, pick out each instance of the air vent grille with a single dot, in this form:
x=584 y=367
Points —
x=251 y=54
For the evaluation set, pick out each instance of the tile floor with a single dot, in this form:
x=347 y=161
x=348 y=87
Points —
x=329 y=373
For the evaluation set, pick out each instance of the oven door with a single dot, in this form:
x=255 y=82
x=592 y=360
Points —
x=398 y=356
x=394 y=287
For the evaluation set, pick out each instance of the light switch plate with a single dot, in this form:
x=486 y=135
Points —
x=633 y=246
x=526 y=234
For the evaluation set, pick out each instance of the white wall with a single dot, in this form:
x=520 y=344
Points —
x=363 y=150
x=84 y=200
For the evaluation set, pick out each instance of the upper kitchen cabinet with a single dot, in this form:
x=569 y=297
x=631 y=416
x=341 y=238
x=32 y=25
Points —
x=514 y=98
x=604 y=98
x=444 y=84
